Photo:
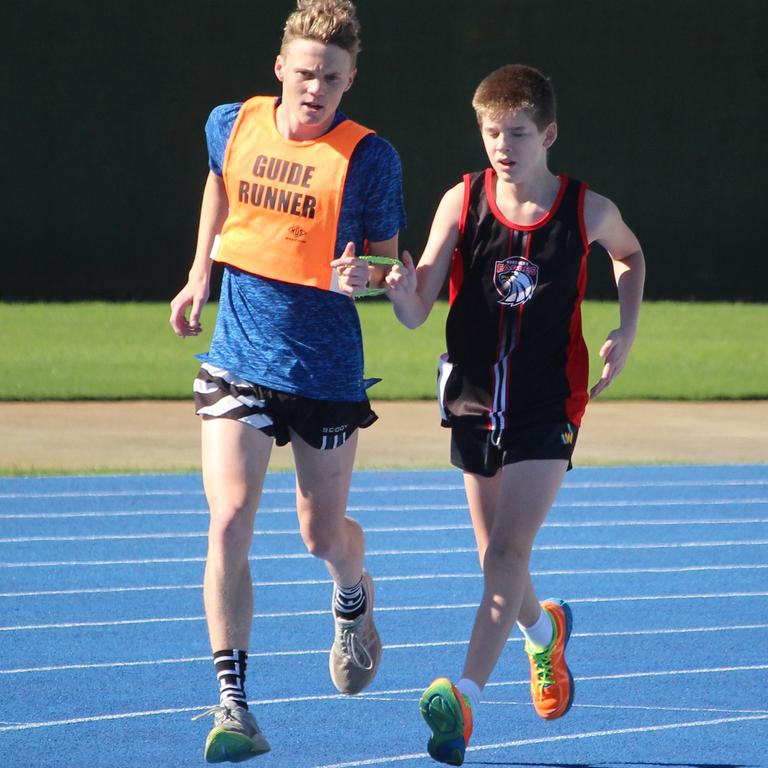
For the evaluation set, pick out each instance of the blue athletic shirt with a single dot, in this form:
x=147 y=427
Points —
x=295 y=338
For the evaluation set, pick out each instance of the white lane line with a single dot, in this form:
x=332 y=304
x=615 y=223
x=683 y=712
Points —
x=666 y=483
x=99 y=514
x=365 y=696
x=394 y=488
x=359 y=508
x=170 y=535
x=655 y=673
x=525 y=702
x=714 y=710
x=399 y=553
x=552 y=739
x=410 y=577
x=387 y=647
x=379 y=610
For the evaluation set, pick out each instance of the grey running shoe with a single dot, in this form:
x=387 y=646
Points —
x=356 y=650
x=235 y=736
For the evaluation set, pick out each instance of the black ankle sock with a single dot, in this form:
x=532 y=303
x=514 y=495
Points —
x=230 y=667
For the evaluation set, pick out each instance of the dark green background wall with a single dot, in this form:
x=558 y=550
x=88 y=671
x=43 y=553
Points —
x=662 y=107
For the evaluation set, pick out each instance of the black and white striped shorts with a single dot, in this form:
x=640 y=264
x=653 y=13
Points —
x=323 y=424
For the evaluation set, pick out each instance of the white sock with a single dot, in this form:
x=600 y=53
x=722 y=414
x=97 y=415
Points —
x=471 y=690
x=539 y=635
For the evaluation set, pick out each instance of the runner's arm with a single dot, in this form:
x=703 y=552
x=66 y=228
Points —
x=213 y=212
x=606 y=226
x=414 y=290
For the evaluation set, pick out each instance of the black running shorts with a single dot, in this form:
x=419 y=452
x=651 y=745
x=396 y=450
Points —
x=473 y=451
x=323 y=424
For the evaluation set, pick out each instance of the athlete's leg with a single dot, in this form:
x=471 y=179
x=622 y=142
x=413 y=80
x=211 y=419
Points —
x=322 y=486
x=526 y=491
x=235 y=458
x=482 y=497
x=323 y=478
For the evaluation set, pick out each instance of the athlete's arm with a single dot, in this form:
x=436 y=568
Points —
x=213 y=212
x=605 y=226
x=414 y=290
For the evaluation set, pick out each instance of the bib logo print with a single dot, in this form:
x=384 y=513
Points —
x=295 y=232
x=515 y=280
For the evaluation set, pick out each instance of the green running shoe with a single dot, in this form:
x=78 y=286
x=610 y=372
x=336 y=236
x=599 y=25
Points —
x=448 y=713
x=235 y=736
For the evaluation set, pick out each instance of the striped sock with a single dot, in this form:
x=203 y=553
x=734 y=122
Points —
x=230 y=665
x=349 y=602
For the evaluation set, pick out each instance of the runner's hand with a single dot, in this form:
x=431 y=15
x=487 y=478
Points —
x=614 y=352
x=352 y=273
x=401 y=278
x=194 y=294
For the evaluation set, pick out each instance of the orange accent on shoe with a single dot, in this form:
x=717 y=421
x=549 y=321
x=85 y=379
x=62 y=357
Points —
x=552 y=685
x=466 y=713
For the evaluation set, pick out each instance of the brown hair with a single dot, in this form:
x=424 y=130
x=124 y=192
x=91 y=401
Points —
x=514 y=87
x=333 y=22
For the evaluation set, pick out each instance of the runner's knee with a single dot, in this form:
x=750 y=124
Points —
x=230 y=529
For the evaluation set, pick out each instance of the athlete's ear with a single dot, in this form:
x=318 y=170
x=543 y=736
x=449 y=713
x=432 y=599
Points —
x=550 y=134
x=351 y=80
x=280 y=68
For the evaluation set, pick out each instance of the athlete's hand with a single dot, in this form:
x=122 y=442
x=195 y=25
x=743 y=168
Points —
x=401 y=278
x=194 y=294
x=352 y=273
x=614 y=352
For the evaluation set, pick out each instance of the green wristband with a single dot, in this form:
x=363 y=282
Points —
x=386 y=260
x=383 y=260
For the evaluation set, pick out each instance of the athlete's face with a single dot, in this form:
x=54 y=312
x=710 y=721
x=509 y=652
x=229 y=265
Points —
x=314 y=76
x=515 y=146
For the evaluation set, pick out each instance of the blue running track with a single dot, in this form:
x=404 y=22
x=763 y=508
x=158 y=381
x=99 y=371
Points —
x=104 y=655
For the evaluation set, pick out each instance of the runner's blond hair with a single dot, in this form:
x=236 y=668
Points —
x=332 y=22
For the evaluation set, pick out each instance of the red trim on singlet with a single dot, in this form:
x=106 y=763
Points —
x=465 y=205
x=490 y=193
x=457 y=261
x=577 y=367
x=580 y=213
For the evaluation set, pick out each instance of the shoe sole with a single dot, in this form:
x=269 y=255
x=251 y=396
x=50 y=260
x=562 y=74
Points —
x=224 y=746
x=568 y=627
x=445 y=720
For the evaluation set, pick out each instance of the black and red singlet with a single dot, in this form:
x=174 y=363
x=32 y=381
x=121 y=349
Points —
x=516 y=354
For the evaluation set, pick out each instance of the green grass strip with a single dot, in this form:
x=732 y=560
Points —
x=95 y=351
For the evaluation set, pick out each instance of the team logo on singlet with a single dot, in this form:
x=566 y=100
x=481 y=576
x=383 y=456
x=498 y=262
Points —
x=515 y=280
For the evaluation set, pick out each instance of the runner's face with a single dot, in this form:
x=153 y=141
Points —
x=515 y=146
x=314 y=76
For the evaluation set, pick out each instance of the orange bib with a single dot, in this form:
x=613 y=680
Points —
x=284 y=197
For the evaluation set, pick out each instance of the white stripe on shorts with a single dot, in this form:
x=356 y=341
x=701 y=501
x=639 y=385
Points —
x=229 y=403
x=258 y=420
x=204 y=387
x=220 y=407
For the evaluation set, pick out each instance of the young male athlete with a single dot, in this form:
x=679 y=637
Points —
x=293 y=184
x=513 y=384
